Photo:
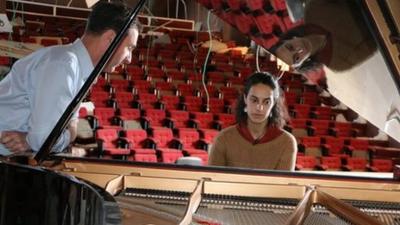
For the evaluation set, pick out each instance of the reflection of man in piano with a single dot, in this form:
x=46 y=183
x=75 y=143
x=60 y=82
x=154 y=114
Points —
x=334 y=35
x=258 y=140
x=40 y=86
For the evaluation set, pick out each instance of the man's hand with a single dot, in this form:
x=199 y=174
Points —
x=14 y=141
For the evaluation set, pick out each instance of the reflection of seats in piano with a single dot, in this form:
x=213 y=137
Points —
x=356 y=164
x=381 y=165
x=330 y=163
x=298 y=127
x=322 y=113
x=343 y=129
x=310 y=146
x=300 y=111
x=306 y=162
x=334 y=147
x=319 y=127
x=359 y=148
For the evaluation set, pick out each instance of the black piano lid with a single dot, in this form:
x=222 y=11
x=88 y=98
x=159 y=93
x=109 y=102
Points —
x=36 y=196
x=66 y=116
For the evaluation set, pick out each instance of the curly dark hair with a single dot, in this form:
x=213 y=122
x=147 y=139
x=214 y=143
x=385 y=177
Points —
x=278 y=112
x=109 y=15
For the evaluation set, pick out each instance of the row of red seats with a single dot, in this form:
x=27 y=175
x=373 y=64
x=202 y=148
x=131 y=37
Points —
x=338 y=147
x=186 y=86
x=149 y=118
x=147 y=101
x=323 y=127
x=335 y=163
x=158 y=143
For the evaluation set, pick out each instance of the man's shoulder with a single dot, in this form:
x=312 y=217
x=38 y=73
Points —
x=62 y=53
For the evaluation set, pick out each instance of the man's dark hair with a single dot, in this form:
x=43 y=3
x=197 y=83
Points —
x=278 y=112
x=109 y=15
x=311 y=63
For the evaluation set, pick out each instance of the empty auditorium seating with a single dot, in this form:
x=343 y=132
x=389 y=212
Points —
x=310 y=98
x=153 y=118
x=319 y=127
x=216 y=105
x=100 y=98
x=123 y=99
x=163 y=138
x=103 y=117
x=141 y=86
x=300 y=111
x=330 y=163
x=201 y=120
x=306 y=163
x=177 y=118
x=223 y=120
x=137 y=138
x=120 y=85
x=322 y=113
x=334 y=147
x=359 y=148
x=164 y=88
x=355 y=164
x=291 y=98
x=185 y=90
x=381 y=165
x=343 y=129
x=229 y=92
x=145 y=101
x=310 y=146
x=169 y=102
x=138 y=157
x=109 y=143
x=190 y=139
x=298 y=127
x=192 y=104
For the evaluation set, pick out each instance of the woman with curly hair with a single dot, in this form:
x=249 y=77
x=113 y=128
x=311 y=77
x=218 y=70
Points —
x=257 y=140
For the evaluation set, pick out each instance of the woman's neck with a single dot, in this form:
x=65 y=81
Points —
x=257 y=130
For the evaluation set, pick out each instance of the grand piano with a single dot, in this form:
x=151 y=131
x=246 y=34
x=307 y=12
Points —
x=61 y=189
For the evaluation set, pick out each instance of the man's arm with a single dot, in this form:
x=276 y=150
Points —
x=16 y=142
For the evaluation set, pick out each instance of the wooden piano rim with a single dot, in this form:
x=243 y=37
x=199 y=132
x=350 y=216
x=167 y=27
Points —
x=239 y=171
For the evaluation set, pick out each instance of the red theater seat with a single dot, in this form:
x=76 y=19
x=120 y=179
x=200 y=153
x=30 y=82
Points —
x=356 y=164
x=310 y=146
x=177 y=118
x=306 y=163
x=330 y=163
x=381 y=165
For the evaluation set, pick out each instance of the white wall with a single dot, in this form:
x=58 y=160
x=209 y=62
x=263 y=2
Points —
x=369 y=90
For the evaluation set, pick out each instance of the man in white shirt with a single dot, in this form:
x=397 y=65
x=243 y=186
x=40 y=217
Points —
x=40 y=86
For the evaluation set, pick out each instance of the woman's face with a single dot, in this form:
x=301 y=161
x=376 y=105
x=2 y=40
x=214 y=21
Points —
x=259 y=102
x=294 y=51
